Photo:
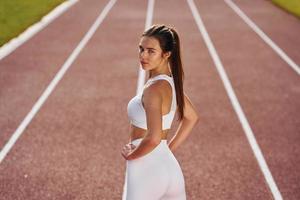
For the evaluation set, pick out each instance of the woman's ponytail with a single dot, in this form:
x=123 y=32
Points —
x=169 y=42
x=177 y=72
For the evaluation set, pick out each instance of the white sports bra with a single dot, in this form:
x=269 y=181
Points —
x=136 y=112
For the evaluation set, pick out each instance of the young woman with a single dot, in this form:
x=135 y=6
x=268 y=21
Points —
x=152 y=171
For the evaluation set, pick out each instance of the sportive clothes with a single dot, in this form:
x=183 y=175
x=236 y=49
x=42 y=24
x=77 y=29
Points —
x=154 y=176
x=136 y=112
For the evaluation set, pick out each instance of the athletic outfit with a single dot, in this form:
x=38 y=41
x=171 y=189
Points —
x=156 y=175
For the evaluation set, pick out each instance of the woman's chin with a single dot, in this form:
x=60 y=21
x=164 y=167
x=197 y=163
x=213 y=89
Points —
x=144 y=67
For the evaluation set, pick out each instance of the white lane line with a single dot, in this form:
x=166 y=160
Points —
x=14 y=43
x=263 y=36
x=142 y=74
x=243 y=120
x=55 y=81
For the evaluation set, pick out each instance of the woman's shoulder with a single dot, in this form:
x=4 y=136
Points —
x=157 y=87
x=155 y=92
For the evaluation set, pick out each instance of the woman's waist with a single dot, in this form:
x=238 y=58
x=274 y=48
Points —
x=137 y=141
x=141 y=136
x=161 y=151
x=137 y=133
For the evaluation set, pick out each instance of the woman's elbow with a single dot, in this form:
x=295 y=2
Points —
x=193 y=118
x=197 y=119
x=154 y=140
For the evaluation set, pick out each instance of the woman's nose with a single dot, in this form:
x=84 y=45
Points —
x=143 y=54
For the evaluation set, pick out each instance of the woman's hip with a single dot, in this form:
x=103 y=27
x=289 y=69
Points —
x=160 y=159
x=160 y=154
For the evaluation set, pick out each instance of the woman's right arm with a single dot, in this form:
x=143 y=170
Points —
x=190 y=119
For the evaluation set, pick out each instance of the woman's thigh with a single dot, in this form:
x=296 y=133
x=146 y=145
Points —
x=176 y=186
x=146 y=179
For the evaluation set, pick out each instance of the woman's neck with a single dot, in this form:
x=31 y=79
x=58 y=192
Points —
x=164 y=70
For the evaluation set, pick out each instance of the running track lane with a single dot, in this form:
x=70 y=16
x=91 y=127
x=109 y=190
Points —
x=216 y=159
x=282 y=27
x=71 y=149
x=27 y=71
x=205 y=173
x=267 y=88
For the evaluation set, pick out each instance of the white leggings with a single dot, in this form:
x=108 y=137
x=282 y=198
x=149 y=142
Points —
x=154 y=176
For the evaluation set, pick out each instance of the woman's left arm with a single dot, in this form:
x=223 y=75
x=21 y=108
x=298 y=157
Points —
x=153 y=107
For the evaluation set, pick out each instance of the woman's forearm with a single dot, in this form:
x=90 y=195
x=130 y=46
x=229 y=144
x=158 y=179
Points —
x=184 y=129
x=145 y=147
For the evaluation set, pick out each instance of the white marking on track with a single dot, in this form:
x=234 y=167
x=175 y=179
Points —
x=55 y=81
x=142 y=73
x=141 y=76
x=14 y=43
x=263 y=36
x=236 y=105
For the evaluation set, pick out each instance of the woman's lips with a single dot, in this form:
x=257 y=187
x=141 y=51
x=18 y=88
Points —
x=143 y=63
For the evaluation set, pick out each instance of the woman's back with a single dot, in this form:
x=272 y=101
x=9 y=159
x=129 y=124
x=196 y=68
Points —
x=136 y=111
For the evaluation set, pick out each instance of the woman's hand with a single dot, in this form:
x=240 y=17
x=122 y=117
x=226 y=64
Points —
x=127 y=150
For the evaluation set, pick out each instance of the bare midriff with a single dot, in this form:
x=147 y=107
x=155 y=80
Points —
x=136 y=133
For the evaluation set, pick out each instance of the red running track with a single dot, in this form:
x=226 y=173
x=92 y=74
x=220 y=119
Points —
x=71 y=148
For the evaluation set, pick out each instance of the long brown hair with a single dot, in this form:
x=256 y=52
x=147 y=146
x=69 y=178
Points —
x=169 y=41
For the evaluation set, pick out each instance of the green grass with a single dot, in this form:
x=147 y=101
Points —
x=17 y=15
x=292 y=6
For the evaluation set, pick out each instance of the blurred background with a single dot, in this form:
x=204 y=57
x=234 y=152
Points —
x=17 y=15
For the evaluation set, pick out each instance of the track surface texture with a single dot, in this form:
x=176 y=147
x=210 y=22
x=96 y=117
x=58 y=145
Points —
x=72 y=147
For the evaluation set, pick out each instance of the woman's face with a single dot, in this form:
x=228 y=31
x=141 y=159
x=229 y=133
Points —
x=150 y=53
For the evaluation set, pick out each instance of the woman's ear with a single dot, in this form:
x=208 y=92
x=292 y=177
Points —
x=167 y=55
